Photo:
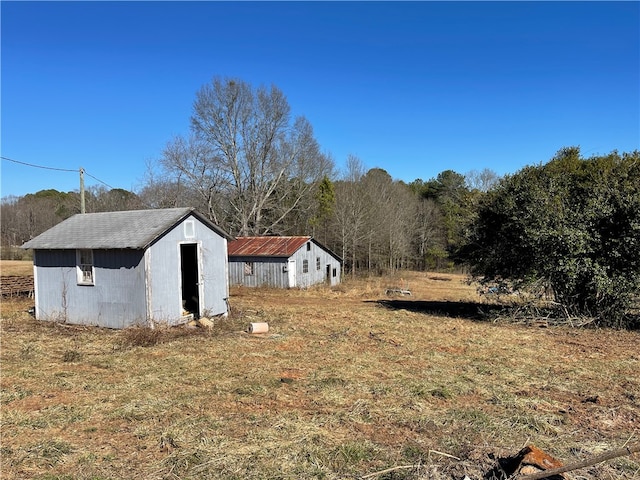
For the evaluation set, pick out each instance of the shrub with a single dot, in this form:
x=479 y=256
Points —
x=573 y=223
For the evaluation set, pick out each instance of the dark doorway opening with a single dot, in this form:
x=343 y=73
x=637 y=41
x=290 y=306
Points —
x=189 y=272
x=327 y=277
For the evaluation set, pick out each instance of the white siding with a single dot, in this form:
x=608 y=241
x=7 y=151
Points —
x=314 y=275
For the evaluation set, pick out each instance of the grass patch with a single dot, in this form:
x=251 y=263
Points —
x=49 y=452
x=341 y=387
x=141 y=337
x=73 y=355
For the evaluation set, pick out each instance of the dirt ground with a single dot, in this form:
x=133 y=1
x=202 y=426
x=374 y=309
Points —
x=349 y=381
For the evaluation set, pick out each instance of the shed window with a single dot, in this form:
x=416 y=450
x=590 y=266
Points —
x=189 y=229
x=317 y=263
x=249 y=268
x=335 y=273
x=84 y=267
x=308 y=246
x=305 y=266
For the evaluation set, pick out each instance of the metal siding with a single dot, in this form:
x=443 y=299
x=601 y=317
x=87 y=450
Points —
x=119 y=288
x=36 y=301
x=315 y=276
x=269 y=271
x=163 y=277
x=326 y=258
x=236 y=273
x=164 y=273
x=114 y=299
x=120 y=296
x=310 y=278
x=337 y=279
x=51 y=269
x=214 y=273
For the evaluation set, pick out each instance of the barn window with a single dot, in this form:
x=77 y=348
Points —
x=84 y=267
x=308 y=246
x=317 y=263
x=335 y=272
x=305 y=266
x=249 y=268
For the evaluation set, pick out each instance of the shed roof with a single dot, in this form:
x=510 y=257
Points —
x=134 y=229
x=266 y=246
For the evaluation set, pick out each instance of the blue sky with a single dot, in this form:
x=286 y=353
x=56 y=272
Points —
x=414 y=88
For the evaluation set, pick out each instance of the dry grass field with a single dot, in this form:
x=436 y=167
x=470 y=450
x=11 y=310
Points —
x=16 y=267
x=341 y=387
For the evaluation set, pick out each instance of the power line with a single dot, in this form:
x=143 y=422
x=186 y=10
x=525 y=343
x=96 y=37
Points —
x=57 y=169
x=97 y=179
x=39 y=166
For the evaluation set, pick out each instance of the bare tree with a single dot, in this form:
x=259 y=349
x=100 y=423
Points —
x=166 y=189
x=25 y=217
x=250 y=164
x=351 y=212
x=482 y=180
x=391 y=221
x=430 y=236
x=378 y=188
x=189 y=162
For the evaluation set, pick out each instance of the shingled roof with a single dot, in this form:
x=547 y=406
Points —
x=134 y=229
x=266 y=246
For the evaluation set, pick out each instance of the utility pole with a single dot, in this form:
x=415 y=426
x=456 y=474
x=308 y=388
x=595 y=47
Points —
x=82 y=209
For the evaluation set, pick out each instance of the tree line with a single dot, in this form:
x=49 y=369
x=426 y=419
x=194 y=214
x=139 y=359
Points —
x=253 y=169
x=376 y=224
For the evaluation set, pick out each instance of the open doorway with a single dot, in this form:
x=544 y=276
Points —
x=190 y=284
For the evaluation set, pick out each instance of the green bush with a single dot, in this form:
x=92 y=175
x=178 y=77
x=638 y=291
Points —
x=573 y=223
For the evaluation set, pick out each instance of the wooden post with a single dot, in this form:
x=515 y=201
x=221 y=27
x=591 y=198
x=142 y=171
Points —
x=82 y=208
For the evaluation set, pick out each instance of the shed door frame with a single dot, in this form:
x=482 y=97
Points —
x=190 y=274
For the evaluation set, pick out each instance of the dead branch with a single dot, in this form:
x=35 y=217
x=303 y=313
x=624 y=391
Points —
x=603 y=457
x=405 y=467
x=443 y=454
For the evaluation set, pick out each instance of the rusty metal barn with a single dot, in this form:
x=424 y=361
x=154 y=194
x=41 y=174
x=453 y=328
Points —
x=283 y=262
x=142 y=267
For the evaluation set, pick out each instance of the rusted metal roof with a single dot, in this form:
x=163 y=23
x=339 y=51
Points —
x=266 y=246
